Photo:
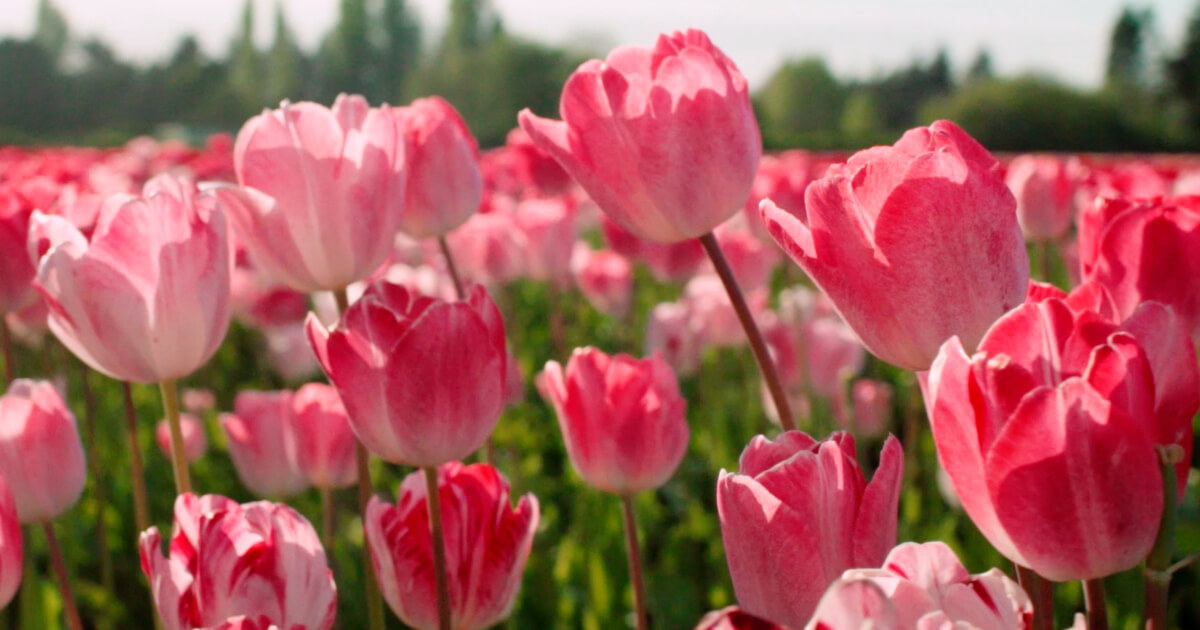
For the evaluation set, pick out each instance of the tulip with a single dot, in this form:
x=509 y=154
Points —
x=318 y=438
x=1045 y=191
x=751 y=260
x=668 y=262
x=604 y=277
x=797 y=514
x=12 y=551
x=16 y=271
x=1147 y=250
x=422 y=380
x=663 y=139
x=195 y=439
x=914 y=243
x=623 y=419
x=444 y=183
x=1063 y=399
x=671 y=332
x=41 y=455
x=255 y=435
x=487 y=544
x=260 y=560
x=872 y=406
x=145 y=300
x=198 y=400
x=734 y=618
x=535 y=169
x=321 y=191
x=923 y=586
x=550 y=234
x=489 y=249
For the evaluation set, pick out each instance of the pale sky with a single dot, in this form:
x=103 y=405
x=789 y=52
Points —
x=1067 y=39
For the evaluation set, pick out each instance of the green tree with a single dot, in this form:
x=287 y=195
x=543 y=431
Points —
x=860 y=124
x=285 y=64
x=50 y=31
x=981 y=67
x=246 y=64
x=400 y=50
x=1183 y=71
x=346 y=58
x=31 y=100
x=801 y=101
x=1128 y=59
x=900 y=95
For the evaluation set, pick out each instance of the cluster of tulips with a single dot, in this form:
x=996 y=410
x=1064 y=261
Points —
x=364 y=241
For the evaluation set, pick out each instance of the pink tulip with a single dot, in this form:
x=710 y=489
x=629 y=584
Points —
x=12 y=551
x=663 y=139
x=321 y=191
x=255 y=435
x=920 y=587
x=147 y=299
x=422 y=380
x=669 y=262
x=16 y=271
x=1045 y=191
x=604 y=277
x=198 y=400
x=734 y=618
x=288 y=352
x=195 y=440
x=444 y=184
x=534 y=168
x=782 y=177
x=712 y=313
x=487 y=543
x=261 y=560
x=1064 y=400
x=671 y=332
x=623 y=419
x=872 y=406
x=489 y=249
x=1148 y=250
x=797 y=514
x=550 y=229
x=751 y=260
x=913 y=243
x=832 y=354
x=41 y=455
x=318 y=438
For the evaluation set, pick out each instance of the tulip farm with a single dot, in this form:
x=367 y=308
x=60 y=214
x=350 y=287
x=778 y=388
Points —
x=345 y=369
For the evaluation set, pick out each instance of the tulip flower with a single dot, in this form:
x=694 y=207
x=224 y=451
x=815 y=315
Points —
x=489 y=249
x=872 y=402
x=535 y=169
x=195 y=439
x=663 y=139
x=913 y=243
x=255 y=435
x=550 y=232
x=487 y=544
x=422 y=380
x=318 y=438
x=923 y=586
x=668 y=262
x=321 y=191
x=444 y=183
x=1146 y=250
x=12 y=551
x=604 y=277
x=41 y=456
x=671 y=332
x=1063 y=399
x=797 y=514
x=734 y=618
x=1045 y=192
x=261 y=561
x=16 y=271
x=623 y=419
x=146 y=299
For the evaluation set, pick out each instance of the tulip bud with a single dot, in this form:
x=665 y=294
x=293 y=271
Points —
x=12 y=551
x=318 y=438
x=444 y=183
x=41 y=455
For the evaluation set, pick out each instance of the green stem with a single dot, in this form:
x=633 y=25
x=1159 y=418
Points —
x=64 y=582
x=635 y=562
x=170 y=398
x=434 y=501
x=1157 y=573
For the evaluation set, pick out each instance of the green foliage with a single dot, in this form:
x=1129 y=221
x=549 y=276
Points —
x=801 y=99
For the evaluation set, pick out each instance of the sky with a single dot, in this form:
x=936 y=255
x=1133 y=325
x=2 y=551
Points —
x=1066 y=39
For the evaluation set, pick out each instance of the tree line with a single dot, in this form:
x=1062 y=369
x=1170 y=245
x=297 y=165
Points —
x=63 y=89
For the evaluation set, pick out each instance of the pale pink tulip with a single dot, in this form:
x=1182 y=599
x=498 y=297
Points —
x=255 y=435
x=41 y=455
x=318 y=438
x=604 y=277
x=444 y=183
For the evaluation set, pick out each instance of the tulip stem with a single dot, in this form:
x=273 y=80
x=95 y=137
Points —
x=10 y=368
x=1094 y=602
x=451 y=268
x=1157 y=574
x=64 y=582
x=365 y=490
x=765 y=363
x=1041 y=593
x=635 y=561
x=170 y=398
x=141 y=504
x=98 y=479
x=327 y=508
x=434 y=501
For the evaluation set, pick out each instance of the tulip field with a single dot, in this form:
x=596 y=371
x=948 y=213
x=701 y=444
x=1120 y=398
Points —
x=346 y=369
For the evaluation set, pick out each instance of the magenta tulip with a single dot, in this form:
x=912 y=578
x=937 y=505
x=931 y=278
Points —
x=321 y=191
x=422 y=379
x=318 y=438
x=914 y=243
x=444 y=183
x=663 y=139
x=147 y=298
x=604 y=277
x=261 y=560
x=41 y=455
x=623 y=419
x=550 y=229
x=255 y=435
x=1064 y=400
x=12 y=549
x=487 y=543
x=800 y=512
x=1045 y=191
x=16 y=271
x=921 y=587
x=872 y=406
x=734 y=618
